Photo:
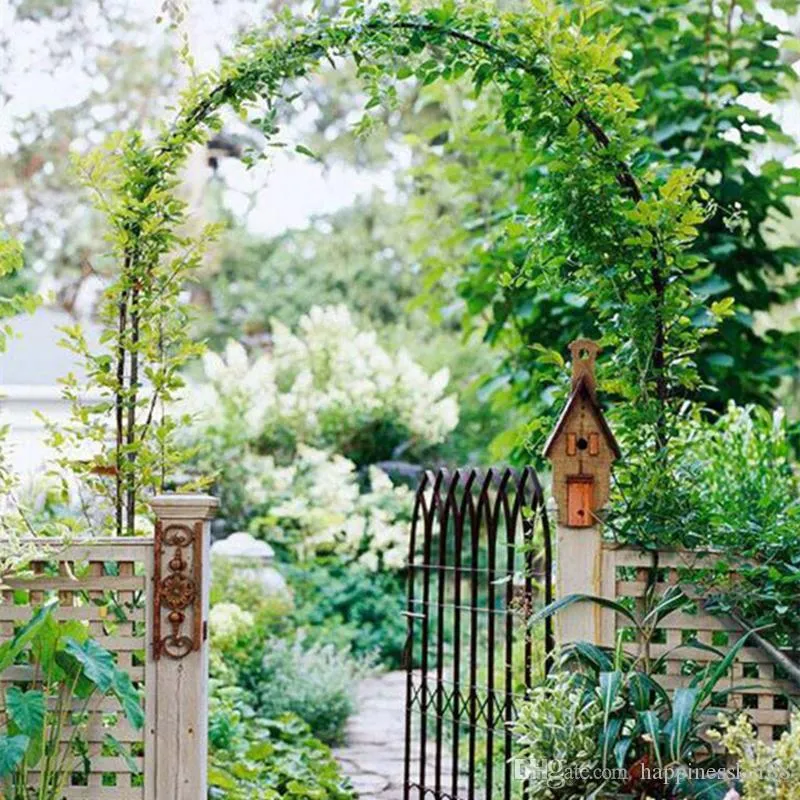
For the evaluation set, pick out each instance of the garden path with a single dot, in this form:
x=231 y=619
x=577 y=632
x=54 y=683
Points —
x=373 y=754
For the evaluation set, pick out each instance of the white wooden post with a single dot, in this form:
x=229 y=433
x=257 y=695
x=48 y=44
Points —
x=176 y=747
x=578 y=571
x=582 y=450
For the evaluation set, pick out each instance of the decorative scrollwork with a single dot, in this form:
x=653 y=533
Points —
x=178 y=591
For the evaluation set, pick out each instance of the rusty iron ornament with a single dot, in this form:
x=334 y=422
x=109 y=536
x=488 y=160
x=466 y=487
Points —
x=177 y=592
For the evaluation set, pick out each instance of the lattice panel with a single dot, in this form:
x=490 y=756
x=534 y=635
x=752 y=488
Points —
x=103 y=583
x=765 y=696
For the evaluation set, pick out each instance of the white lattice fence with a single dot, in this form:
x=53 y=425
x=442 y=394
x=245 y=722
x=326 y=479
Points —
x=105 y=584
x=765 y=696
x=146 y=601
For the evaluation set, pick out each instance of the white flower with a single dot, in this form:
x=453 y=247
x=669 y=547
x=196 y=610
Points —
x=228 y=620
x=370 y=561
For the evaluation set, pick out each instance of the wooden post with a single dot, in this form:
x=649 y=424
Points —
x=582 y=450
x=176 y=745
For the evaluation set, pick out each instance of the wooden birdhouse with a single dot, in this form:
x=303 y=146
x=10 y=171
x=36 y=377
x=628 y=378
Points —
x=581 y=448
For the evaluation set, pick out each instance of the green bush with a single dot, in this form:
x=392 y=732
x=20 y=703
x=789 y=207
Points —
x=241 y=619
x=352 y=607
x=258 y=759
x=315 y=683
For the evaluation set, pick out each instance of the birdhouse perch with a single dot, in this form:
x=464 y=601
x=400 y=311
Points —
x=581 y=447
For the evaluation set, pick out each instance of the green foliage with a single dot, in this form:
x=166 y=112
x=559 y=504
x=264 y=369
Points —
x=620 y=231
x=559 y=725
x=330 y=385
x=608 y=714
x=768 y=770
x=353 y=608
x=137 y=371
x=356 y=257
x=314 y=682
x=243 y=617
x=478 y=191
x=257 y=759
x=71 y=671
x=741 y=490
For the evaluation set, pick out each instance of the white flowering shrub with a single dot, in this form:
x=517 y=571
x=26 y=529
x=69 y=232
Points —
x=316 y=507
x=227 y=621
x=329 y=385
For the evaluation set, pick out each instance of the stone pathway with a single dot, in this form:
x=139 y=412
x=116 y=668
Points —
x=373 y=755
x=374 y=752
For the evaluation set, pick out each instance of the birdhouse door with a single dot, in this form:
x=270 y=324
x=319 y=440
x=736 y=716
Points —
x=580 y=501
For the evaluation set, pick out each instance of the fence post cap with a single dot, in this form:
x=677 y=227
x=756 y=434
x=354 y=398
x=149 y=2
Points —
x=174 y=505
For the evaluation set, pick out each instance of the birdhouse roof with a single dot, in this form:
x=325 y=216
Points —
x=582 y=392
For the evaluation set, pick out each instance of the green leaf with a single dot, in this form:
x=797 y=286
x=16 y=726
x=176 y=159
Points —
x=26 y=710
x=677 y=729
x=587 y=653
x=569 y=600
x=12 y=751
x=13 y=647
x=721 y=669
x=306 y=151
x=96 y=662
x=651 y=725
x=610 y=684
x=116 y=748
x=128 y=697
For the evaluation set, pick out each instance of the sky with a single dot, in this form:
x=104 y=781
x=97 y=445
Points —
x=291 y=189
x=288 y=191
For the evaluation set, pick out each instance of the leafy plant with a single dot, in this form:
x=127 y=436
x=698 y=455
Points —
x=558 y=727
x=768 y=770
x=47 y=714
x=330 y=385
x=252 y=758
x=642 y=727
x=314 y=682
x=352 y=608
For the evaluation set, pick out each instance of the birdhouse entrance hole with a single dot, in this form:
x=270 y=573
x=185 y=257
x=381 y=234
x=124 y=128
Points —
x=580 y=492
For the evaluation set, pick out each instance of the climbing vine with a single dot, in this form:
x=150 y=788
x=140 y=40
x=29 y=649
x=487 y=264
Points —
x=612 y=218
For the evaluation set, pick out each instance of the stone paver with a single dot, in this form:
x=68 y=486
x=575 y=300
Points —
x=374 y=751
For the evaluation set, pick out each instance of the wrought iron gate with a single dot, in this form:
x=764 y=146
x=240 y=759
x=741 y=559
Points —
x=469 y=652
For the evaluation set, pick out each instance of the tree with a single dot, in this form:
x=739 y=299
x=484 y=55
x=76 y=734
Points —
x=621 y=231
x=689 y=67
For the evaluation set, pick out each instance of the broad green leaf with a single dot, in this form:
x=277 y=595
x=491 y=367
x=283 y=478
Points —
x=128 y=697
x=26 y=710
x=12 y=751
x=96 y=662
x=13 y=647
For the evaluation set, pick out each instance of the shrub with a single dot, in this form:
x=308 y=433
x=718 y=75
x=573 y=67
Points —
x=242 y=617
x=315 y=683
x=330 y=386
x=768 y=772
x=560 y=725
x=258 y=759
x=316 y=507
x=352 y=607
